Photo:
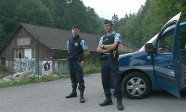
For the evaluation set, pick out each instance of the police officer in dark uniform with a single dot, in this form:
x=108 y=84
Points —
x=108 y=50
x=77 y=49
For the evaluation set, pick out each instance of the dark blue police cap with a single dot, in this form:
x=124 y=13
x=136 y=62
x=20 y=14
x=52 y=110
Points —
x=75 y=26
x=108 y=22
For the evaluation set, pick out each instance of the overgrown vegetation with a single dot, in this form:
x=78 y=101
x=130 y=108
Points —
x=88 y=69
x=140 y=27
x=136 y=28
x=4 y=71
x=53 y=13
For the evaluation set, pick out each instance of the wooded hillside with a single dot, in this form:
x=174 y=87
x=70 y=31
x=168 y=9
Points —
x=137 y=28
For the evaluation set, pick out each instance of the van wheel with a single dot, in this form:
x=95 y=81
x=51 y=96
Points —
x=136 y=85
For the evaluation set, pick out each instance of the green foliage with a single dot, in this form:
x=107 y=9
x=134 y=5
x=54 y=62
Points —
x=48 y=78
x=137 y=28
x=158 y=14
x=53 y=13
x=91 y=68
x=64 y=74
x=88 y=69
x=3 y=69
x=38 y=13
x=6 y=84
x=21 y=81
x=2 y=34
x=140 y=27
x=26 y=79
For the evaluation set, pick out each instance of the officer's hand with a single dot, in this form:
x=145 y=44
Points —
x=86 y=52
x=81 y=63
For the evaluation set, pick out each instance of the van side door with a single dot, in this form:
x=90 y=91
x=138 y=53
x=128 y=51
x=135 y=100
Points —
x=165 y=57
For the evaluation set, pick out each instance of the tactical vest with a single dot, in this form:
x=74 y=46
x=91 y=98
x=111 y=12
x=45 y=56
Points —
x=75 y=49
x=110 y=40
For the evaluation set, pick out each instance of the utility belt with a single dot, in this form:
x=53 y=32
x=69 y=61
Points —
x=76 y=58
x=107 y=56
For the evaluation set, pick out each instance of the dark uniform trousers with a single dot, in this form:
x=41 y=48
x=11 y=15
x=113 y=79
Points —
x=109 y=69
x=76 y=75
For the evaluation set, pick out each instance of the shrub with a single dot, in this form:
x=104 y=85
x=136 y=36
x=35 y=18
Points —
x=50 y=77
x=88 y=68
x=91 y=68
x=3 y=69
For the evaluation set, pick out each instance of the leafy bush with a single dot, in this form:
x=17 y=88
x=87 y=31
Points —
x=3 y=68
x=64 y=74
x=88 y=68
x=49 y=78
x=21 y=81
x=4 y=71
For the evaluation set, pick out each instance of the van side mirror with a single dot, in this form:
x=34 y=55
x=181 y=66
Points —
x=149 y=47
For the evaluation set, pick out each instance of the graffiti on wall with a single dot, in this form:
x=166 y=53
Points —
x=46 y=67
x=31 y=66
x=24 y=65
x=61 y=66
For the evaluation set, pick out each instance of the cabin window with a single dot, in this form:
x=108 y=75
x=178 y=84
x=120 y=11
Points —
x=23 y=41
x=24 y=53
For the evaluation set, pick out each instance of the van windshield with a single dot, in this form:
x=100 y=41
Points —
x=152 y=40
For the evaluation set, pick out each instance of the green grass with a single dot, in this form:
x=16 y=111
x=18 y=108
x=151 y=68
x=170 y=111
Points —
x=21 y=81
x=28 y=79
x=88 y=69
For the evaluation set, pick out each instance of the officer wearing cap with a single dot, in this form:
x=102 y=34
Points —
x=108 y=50
x=77 y=50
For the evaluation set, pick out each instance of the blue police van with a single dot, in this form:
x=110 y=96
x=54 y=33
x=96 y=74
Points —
x=159 y=65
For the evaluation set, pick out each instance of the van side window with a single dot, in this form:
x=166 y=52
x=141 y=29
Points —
x=165 y=43
x=182 y=48
x=182 y=45
x=182 y=39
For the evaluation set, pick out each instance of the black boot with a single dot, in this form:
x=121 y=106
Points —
x=119 y=104
x=72 y=94
x=82 y=99
x=108 y=101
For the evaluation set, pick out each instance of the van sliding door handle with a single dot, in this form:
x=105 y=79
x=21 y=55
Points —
x=169 y=65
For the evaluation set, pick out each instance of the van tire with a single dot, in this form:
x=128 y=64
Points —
x=136 y=90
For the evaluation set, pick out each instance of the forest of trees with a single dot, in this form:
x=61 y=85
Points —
x=53 y=13
x=140 y=27
x=137 y=28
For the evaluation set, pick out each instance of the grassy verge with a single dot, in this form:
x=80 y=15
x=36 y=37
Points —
x=88 y=69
